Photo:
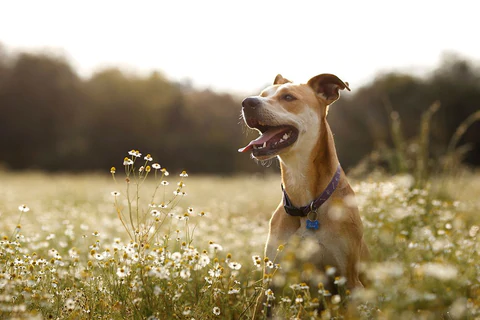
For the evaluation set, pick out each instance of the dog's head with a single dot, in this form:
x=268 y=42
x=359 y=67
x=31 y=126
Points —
x=288 y=116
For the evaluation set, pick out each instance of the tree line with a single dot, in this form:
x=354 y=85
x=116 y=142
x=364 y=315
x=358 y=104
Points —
x=52 y=119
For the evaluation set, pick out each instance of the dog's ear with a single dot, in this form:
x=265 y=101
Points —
x=280 y=80
x=328 y=86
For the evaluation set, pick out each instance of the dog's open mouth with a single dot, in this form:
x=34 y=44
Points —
x=272 y=140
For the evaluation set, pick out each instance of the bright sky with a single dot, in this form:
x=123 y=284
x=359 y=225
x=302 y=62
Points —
x=239 y=46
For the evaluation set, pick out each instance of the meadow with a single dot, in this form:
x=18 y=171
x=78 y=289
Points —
x=141 y=243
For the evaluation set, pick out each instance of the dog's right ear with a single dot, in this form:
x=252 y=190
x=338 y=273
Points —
x=328 y=86
x=280 y=80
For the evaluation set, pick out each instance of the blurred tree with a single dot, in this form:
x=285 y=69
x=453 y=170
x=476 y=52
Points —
x=125 y=113
x=51 y=119
x=362 y=122
x=4 y=67
x=38 y=103
x=456 y=84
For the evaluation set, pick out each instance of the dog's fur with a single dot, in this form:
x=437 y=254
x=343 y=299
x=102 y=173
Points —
x=307 y=167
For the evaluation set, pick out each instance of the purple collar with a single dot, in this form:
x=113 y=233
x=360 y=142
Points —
x=316 y=203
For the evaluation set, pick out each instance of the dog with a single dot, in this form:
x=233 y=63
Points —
x=292 y=122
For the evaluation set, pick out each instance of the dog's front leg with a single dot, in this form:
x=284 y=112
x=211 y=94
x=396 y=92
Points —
x=282 y=227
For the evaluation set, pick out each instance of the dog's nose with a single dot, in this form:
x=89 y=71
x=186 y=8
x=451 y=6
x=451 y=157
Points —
x=251 y=103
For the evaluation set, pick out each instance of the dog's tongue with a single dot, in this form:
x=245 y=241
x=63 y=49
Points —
x=267 y=135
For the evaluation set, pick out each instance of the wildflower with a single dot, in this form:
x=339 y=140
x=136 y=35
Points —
x=176 y=256
x=299 y=286
x=112 y=170
x=165 y=172
x=163 y=205
x=135 y=153
x=270 y=295
x=336 y=299
x=286 y=300
x=70 y=304
x=270 y=264
x=115 y=193
x=190 y=210
x=257 y=261
x=184 y=174
x=148 y=169
x=233 y=291
x=95 y=234
x=141 y=169
x=185 y=274
x=23 y=208
x=340 y=281
x=155 y=213
x=204 y=260
x=330 y=271
x=216 y=311
x=99 y=256
x=439 y=270
x=148 y=157
x=122 y=272
x=472 y=232
x=216 y=272
x=303 y=286
x=299 y=299
x=164 y=183
x=157 y=290
x=234 y=265
x=314 y=303
x=187 y=311
x=216 y=246
x=127 y=161
x=156 y=166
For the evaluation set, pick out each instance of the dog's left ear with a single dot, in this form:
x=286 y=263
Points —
x=328 y=86
x=280 y=80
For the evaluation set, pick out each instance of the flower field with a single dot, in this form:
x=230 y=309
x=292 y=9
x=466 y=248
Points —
x=149 y=244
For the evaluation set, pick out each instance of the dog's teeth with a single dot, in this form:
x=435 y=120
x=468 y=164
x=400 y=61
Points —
x=286 y=136
x=264 y=145
x=281 y=140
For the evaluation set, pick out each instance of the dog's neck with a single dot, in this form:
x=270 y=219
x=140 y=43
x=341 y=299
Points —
x=306 y=175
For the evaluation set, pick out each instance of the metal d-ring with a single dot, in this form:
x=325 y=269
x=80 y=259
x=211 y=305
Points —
x=312 y=215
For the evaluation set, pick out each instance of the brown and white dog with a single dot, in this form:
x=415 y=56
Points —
x=292 y=121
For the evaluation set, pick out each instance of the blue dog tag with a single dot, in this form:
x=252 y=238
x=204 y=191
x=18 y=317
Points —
x=312 y=224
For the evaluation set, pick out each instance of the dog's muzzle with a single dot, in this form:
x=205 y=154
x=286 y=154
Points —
x=250 y=108
x=251 y=103
x=274 y=137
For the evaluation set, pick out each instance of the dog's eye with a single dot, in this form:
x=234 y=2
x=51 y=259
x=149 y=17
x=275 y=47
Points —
x=289 y=97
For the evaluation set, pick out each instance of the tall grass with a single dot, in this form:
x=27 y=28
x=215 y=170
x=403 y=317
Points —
x=77 y=255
